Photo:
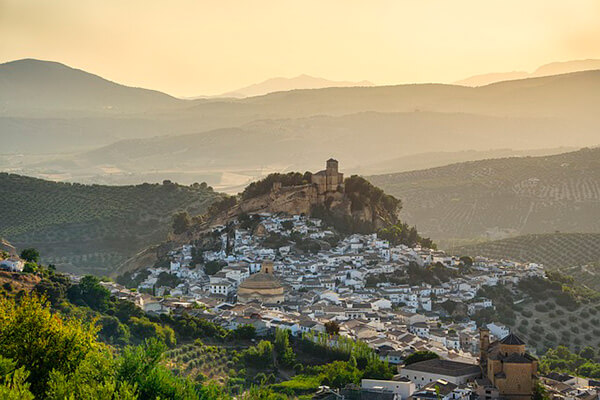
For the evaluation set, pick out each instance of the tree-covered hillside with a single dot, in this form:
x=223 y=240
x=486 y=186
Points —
x=576 y=254
x=499 y=197
x=554 y=250
x=92 y=226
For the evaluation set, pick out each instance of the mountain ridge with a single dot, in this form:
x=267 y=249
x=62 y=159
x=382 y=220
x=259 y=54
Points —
x=68 y=87
x=553 y=68
x=280 y=84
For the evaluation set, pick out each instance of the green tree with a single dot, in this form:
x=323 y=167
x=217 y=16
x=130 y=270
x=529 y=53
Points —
x=53 y=291
x=260 y=355
x=113 y=331
x=31 y=255
x=377 y=369
x=141 y=366
x=39 y=341
x=285 y=353
x=588 y=352
x=89 y=292
x=340 y=373
x=94 y=378
x=124 y=310
x=14 y=386
x=181 y=222
x=244 y=332
x=212 y=267
x=539 y=392
x=143 y=329
x=332 y=328
x=30 y=268
x=419 y=356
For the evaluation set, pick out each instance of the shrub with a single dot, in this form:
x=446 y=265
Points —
x=541 y=308
x=574 y=329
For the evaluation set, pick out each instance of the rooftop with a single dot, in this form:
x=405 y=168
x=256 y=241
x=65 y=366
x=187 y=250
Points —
x=261 y=281
x=512 y=339
x=444 y=367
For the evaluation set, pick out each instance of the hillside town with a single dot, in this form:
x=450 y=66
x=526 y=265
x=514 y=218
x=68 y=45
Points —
x=246 y=280
x=281 y=271
x=302 y=290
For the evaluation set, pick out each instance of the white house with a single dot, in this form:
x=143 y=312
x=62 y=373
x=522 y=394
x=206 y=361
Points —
x=498 y=330
x=402 y=388
x=223 y=287
x=421 y=329
x=12 y=264
x=425 y=372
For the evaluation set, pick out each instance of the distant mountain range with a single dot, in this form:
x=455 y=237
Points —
x=554 y=68
x=118 y=134
x=287 y=84
x=493 y=199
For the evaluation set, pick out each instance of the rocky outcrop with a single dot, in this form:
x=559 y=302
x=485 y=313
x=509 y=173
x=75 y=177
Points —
x=336 y=207
x=303 y=199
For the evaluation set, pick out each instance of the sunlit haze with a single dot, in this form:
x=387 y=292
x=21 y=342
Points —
x=191 y=48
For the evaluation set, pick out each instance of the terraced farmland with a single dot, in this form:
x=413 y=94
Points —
x=545 y=325
x=575 y=254
x=491 y=199
x=92 y=226
x=208 y=362
x=555 y=250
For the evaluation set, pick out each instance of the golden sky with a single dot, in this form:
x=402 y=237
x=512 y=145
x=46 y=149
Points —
x=197 y=47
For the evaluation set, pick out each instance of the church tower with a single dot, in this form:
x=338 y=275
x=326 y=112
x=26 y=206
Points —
x=330 y=179
x=332 y=167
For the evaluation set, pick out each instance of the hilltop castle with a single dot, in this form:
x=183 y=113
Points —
x=322 y=192
x=329 y=179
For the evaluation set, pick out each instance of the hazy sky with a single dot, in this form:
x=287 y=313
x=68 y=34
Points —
x=195 y=47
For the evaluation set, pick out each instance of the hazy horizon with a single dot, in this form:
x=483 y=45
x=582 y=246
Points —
x=206 y=48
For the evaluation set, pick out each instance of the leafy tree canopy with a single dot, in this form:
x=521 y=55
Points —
x=31 y=255
x=419 y=356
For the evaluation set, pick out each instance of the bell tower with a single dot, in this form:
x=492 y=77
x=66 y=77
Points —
x=332 y=167
x=267 y=267
x=484 y=344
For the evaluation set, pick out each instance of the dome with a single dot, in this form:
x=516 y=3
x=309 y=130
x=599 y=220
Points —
x=262 y=286
x=261 y=281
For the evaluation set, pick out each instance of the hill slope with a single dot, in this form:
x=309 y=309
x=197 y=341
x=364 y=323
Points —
x=555 y=250
x=500 y=197
x=34 y=86
x=575 y=254
x=93 y=226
